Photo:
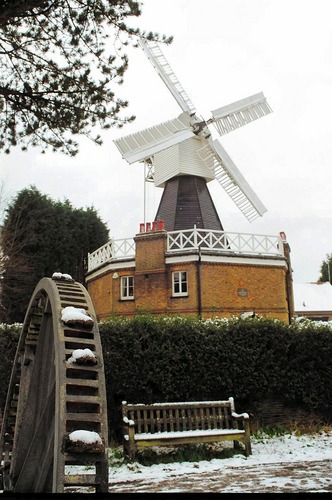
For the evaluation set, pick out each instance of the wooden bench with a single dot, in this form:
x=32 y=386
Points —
x=171 y=424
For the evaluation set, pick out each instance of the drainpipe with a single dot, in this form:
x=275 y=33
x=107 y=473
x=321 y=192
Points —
x=199 y=285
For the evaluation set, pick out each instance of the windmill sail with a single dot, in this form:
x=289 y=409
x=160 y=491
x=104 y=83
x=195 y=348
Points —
x=143 y=144
x=239 y=113
x=164 y=70
x=231 y=179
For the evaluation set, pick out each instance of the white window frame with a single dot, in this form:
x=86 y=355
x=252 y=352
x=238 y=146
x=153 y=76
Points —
x=127 y=287
x=179 y=284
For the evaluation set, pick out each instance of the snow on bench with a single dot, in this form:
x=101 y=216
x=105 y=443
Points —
x=162 y=424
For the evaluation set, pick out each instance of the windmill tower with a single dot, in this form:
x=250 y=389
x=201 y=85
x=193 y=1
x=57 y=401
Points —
x=182 y=157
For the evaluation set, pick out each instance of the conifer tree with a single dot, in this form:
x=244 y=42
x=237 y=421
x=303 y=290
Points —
x=41 y=236
x=326 y=269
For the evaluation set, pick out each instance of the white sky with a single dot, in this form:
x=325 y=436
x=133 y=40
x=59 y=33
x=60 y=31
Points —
x=223 y=51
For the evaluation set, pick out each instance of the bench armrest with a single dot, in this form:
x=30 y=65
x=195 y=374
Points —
x=240 y=416
x=128 y=422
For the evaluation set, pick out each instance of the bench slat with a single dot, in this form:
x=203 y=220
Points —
x=145 y=421
x=158 y=420
x=177 y=438
x=225 y=410
x=190 y=419
x=198 y=433
x=164 y=419
x=152 y=421
x=177 y=419
x=208 y=416
x=214 y=422
x=201 y=412
x=171 y=419
x=220 y=418
x=196 y=421
x=185 y=419
x=193 y=404
x=139 y=421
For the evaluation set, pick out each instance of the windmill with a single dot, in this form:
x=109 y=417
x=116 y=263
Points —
x=182 y=157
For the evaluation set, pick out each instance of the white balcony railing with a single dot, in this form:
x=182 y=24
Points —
x=220 y=242
x=112 y=250
x=224 y=242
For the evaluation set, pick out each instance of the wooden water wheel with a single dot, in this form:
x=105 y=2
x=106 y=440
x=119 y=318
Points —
x=54 y=393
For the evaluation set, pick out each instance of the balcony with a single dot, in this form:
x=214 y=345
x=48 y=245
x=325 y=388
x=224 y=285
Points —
x=216 y=242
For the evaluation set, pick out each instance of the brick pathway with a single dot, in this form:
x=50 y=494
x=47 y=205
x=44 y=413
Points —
x=308 y=476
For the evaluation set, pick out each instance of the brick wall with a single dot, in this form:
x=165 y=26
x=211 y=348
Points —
x=100 y=291
x=233 y=289
x=150 y=251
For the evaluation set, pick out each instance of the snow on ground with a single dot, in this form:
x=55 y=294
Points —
x=287 y=463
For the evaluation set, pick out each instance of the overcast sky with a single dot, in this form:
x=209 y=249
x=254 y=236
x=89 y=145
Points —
x=223 y=51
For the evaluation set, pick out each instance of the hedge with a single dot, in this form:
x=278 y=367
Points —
x=149 y=359
x=153 y=359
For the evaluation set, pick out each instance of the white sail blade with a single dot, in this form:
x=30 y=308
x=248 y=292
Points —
x=231 y=179
x=159 y=62
x=142 y=145
x=239 y=113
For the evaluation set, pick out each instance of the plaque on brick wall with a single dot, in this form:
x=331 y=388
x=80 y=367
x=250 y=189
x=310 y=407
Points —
x=242 y=292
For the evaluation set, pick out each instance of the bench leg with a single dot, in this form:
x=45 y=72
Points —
x=247 y=446
x=129 y=449
x=236 y=445
x=247 y=442
x=132 y=450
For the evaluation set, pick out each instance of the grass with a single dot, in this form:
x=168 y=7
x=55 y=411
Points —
x=297 y=427
x=271 y=431
x=311 y=427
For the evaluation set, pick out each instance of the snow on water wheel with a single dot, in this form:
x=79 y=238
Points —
x=56 y=414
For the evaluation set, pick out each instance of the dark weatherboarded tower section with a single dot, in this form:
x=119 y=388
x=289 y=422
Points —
x=185 y=203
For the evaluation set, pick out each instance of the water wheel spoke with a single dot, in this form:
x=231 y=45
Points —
x=44 y=480
x=39 y=456
x=36 y=407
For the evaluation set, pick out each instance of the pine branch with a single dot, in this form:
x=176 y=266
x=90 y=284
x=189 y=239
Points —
x=12 y=10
